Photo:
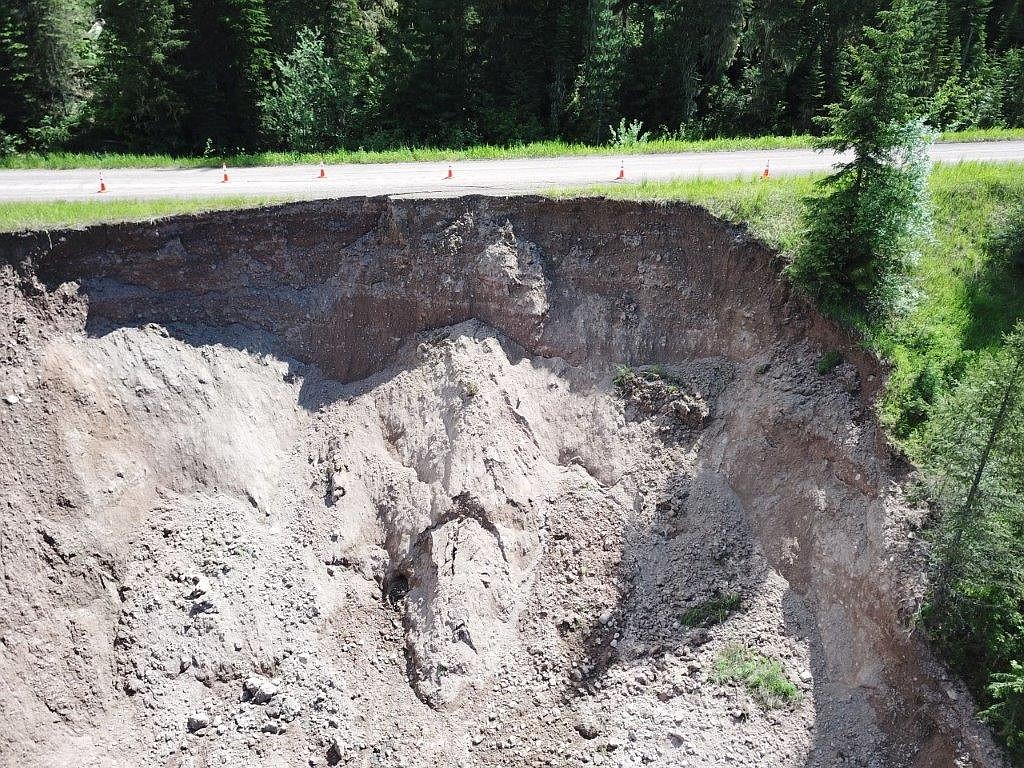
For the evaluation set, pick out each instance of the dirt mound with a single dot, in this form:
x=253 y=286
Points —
x=470 y=482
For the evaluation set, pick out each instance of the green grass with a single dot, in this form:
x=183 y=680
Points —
x=966 y=298
x=111 y=160
x=983 y=134
x=399 y=155
x=66 y=213
x=762 y=676
x=713 y=611
x=769 y=208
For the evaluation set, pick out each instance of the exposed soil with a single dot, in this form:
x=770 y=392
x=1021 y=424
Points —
x=362 y=483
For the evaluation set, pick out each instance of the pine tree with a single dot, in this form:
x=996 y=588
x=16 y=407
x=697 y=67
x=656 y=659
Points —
x=518 y=45
x=136 y=104
x=779 y=82
x=569 y=29
x=861 y=231
x=974 y=467
x=968 y=22
x=46 y=64
x=223 y=66
x=17 y=105
x=431 y=94
x=596 y=95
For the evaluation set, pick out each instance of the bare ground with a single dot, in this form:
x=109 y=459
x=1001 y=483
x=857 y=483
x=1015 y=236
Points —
x=362 y=483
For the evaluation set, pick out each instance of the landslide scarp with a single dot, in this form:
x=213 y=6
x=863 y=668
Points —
x=462 y=482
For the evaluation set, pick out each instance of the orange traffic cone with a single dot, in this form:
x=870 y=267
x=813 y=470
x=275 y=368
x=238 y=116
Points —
x=622 y=172
x=224 y=171
x=765 y=173
x=103 y=185
x=450 y=174
x=323 y=172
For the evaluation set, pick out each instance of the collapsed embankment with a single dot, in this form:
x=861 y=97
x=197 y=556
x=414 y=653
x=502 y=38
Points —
x=352 y=482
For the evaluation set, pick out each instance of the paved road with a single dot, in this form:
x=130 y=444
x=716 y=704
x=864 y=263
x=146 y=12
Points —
x=488 y=177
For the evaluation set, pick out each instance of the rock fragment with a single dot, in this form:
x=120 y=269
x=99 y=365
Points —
x=336 y=751
x=284 y=708
x=258 y=690
x=201 y=585
x=336 y=482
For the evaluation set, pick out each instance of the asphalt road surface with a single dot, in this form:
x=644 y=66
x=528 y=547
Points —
x=427 y=179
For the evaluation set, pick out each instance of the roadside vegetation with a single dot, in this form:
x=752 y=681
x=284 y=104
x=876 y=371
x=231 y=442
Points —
x=973 y=468
x=77 y=213
x=402 y=154
x=58 y=160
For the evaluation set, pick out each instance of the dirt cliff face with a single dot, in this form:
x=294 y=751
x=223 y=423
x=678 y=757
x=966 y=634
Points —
x=362 y=482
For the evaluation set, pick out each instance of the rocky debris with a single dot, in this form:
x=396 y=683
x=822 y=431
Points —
x=200 y=586
x=588 y=730
x=690 y=410
x=337 y=486
x=653 y=391
x=336 y=471
x=258 y=690
x=284 y=708
x=198 y=721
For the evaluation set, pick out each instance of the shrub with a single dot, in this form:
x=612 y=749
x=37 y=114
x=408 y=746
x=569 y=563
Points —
x=966 y=101
x=1007 y=238
x=829 y=361
x=1013 y=86
x=628 y=135
x=629 y=382
x=1006 y=715
x=9 y=144
x=306 y=107
x=763 y=677
x=713 y=611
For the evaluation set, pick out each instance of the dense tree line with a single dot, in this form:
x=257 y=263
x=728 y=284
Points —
x=223 y=75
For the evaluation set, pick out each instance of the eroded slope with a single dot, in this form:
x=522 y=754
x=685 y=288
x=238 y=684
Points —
x=360 y=483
